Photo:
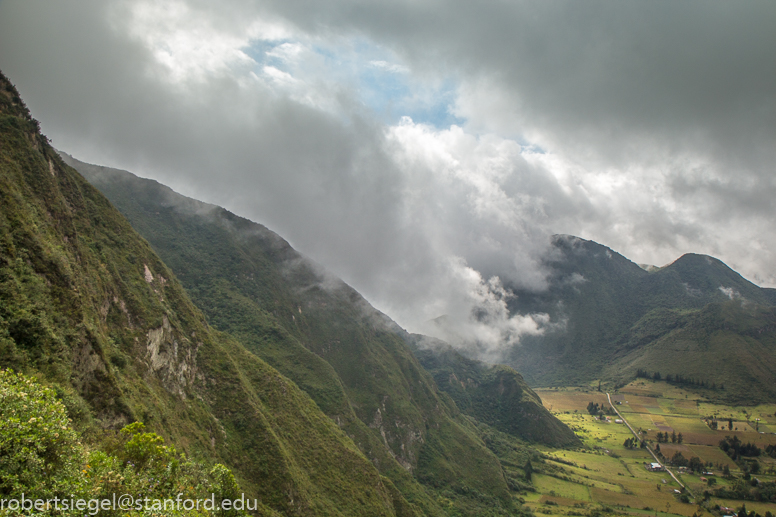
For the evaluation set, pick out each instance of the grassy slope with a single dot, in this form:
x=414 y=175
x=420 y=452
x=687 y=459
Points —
x=348 y=357
x=87 y=306
x=727 y=343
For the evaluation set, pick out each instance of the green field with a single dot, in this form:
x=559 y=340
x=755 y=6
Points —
x=606 y=475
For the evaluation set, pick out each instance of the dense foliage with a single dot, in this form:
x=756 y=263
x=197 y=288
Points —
x=42 y=457
x=665 y=437
x=40 y=454
x=734 y=448
x=748 y=490
x=677 y=379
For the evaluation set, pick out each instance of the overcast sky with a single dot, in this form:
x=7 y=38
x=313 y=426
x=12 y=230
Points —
x=419 y=148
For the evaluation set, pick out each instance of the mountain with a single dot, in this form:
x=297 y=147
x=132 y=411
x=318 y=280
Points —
x=729 y=347
x=355 y=362
x=695 y=318
x=88 y=308
x=493 y=394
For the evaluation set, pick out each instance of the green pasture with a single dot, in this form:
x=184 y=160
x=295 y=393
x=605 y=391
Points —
x=656 y=389
x=553 y=486
x=765 y=412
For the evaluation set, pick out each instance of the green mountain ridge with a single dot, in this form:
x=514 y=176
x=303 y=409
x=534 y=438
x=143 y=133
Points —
x=88 y=308
x=350 y=358
x=695 y=317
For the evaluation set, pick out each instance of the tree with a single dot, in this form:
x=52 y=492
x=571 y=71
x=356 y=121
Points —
x=224 y=487
x=730 y=424
x=40 y=455
x=679 y=438
x=528 y=469
x=726 y=471
x=673 y=436
x=145 y=449
x=679 y=460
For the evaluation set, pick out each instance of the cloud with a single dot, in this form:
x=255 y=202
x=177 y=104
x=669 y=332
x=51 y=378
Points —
x=425 y=151
x=390 y=67
x=189 y=46
x=730 y=292
x=478 y=321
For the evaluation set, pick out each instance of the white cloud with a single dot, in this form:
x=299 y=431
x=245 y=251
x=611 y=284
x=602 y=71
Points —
x=478 y=321
x=730 y=292
x=183 y=40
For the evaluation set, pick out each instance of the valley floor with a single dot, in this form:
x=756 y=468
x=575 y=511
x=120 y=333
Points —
x=609 y=477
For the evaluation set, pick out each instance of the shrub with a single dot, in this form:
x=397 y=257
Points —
x=40 y=455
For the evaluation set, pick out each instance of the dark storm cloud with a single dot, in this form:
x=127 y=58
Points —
x=666 y=70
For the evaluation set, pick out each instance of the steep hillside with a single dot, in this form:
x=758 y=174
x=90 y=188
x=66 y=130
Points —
x=89 y=308
x=494 y=394
x=695 y=318
x=591 y=297
x=351 y=359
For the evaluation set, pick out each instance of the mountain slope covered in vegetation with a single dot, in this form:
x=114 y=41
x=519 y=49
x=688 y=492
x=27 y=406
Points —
x=88 y=308
x=493 y=394
x=352 y=360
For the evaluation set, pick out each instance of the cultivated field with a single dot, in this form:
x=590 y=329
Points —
x=606 y=475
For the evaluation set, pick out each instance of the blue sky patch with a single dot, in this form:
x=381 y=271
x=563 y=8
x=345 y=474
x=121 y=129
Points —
x=380 y=81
